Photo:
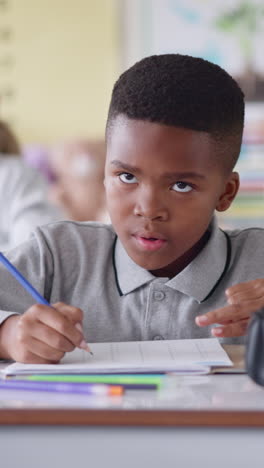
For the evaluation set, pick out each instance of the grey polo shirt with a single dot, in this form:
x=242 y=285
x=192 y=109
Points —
x=85 y=265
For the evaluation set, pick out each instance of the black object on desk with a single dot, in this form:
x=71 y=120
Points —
x=255 y=348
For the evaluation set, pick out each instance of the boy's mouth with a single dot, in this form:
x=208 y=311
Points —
x=149 y=242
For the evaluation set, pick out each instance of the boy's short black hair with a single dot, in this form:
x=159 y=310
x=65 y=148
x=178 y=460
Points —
x=187 y=92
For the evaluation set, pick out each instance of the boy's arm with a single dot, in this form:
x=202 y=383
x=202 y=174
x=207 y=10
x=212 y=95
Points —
x=243 y=300
x=37 y=333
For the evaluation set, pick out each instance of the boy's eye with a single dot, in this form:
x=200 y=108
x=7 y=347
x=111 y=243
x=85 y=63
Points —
x=181 y=187
x=127 y=178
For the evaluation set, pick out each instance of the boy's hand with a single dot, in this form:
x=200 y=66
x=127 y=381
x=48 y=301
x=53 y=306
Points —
x=42 y=334
x=243 y=300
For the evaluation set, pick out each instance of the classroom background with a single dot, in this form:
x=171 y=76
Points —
x=59 y=60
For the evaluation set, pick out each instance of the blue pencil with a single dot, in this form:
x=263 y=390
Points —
x=27 y=286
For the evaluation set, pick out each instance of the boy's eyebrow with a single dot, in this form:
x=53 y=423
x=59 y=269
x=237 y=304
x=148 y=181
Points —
x=166 y=175
x=127 y=167
x=183 y=175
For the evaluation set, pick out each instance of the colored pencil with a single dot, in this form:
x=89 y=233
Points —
x=140 y=381
x=62 y=387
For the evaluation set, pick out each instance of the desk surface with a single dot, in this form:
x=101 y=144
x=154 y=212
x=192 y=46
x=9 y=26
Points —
x=207 y=400
x=195 y=424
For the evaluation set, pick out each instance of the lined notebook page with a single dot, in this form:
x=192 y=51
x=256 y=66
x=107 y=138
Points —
x=195 y=355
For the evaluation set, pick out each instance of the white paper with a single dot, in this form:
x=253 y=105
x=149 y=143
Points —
x=183 y=356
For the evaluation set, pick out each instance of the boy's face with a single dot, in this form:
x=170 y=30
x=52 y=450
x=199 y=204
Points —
x=163 y=184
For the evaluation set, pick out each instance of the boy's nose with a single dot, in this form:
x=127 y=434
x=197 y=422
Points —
x=150 y=206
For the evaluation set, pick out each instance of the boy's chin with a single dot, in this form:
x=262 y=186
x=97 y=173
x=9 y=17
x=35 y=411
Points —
x=149 y=264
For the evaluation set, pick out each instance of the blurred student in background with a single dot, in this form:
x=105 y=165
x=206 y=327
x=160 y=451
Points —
x=23 y=194
x=78 y=173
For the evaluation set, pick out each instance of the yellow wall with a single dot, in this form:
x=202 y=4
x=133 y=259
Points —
x=65 y=61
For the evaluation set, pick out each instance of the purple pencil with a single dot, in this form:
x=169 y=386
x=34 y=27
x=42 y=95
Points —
x=63 y=387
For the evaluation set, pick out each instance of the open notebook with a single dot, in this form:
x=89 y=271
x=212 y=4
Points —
x=182 y=356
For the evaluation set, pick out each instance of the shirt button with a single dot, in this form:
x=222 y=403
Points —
x=159 y=295
x=158 y=337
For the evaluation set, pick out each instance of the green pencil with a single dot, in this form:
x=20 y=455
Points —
x=149 y=379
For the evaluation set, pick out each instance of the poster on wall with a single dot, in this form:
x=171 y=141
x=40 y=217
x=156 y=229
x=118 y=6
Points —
x=231 y=34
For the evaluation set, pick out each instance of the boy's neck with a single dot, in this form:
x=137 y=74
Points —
x=176 y=267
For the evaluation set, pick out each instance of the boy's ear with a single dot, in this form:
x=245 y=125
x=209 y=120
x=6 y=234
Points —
x=231 y=189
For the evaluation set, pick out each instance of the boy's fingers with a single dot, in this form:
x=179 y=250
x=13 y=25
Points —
x=232 y=313
x=234 y=329
x=30 y=358
x=44 y=351
x=71 y=313
x=246 y=297
x=238 y=288
x=48 y=335
x=76 y=315
x=251 y=289
x=253 y=299
x=41 y=352
x=54 y=319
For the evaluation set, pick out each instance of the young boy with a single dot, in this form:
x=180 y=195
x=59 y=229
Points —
x=163 y=270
